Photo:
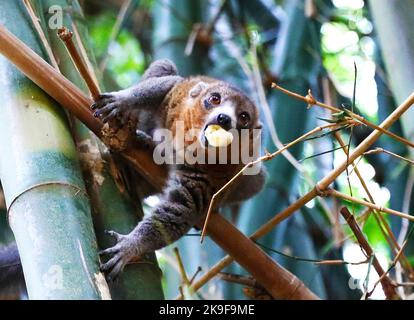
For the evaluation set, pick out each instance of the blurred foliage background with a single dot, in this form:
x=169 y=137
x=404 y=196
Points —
x=301 y=45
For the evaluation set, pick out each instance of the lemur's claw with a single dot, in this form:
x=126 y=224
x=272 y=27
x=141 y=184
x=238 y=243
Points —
x=121 y=254
x=114 y=234
x=104 y=100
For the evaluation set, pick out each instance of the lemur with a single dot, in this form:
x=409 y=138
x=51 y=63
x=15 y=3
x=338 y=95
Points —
x=161 y=100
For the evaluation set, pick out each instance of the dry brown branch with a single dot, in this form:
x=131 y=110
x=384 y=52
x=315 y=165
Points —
x=66 y=36
x=239 y=279
x=2 y=200
x=310 y=100
x=183 y=274
x=337 y=194
x=341 y=262
x=387 y=285
x=277 y=280
x=184 y=278
x=284 y=285
x=393 y=264
x=381 y=150
x=84 y=55
x=199 y=269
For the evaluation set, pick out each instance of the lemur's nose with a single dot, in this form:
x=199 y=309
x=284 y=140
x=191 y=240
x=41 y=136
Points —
x=224 y=121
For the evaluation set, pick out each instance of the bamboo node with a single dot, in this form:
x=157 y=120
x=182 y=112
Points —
x=310 y=100
x=321 y=192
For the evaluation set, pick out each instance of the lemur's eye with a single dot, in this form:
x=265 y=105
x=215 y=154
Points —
x=214 y=99
x=244 y=119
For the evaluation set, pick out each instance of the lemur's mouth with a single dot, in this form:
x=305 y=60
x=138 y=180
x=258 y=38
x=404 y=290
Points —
x=216 y=136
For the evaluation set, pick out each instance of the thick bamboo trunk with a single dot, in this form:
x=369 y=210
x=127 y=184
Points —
x=48 y=208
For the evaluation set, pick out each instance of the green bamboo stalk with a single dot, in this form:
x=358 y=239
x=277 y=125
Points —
x=48 y=208
x=112 y=207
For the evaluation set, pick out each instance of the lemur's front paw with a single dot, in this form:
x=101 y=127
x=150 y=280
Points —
x=112 y=106
x=121 y=254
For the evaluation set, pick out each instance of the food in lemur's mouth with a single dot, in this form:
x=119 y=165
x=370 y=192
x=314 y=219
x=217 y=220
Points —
x=217 y=136
x=162 y=99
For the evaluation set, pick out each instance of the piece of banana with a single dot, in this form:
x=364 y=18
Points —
x=217 y=136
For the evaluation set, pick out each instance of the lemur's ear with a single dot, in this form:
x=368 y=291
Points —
x=196 y=90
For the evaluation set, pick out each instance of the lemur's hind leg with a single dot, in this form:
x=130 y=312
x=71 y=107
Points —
x=183 y=204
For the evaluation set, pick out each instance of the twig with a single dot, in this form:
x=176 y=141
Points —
x=210 y=25
x=266 y=157
x=84 y=55
x=381 y=150
x=199 y=269
x=279 y=282
x=315 y=261
x=183 y=274
x=239 y=279
x=185 y=283
x=2 y=200
x=39 y=30
x=202 y=33
x=66 y=36
x=310 y=100
x=394 y=262
x=387 y=285
x=337 y=194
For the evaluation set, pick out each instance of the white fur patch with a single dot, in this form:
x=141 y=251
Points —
x=227 y=108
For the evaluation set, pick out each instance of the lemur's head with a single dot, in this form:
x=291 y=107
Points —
x=203 y=105
x=221 y=104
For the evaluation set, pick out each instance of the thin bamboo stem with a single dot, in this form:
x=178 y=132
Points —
x=310 y=100
x=66 y=36
x=381 y=150
x=285 y=285
x=337 y=194
x=387 y=285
